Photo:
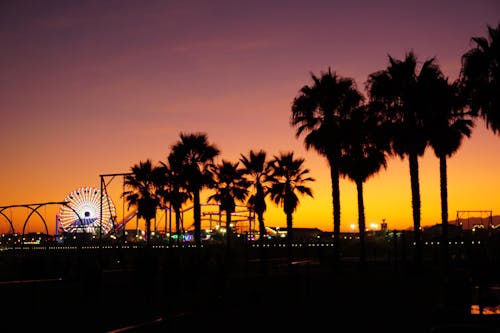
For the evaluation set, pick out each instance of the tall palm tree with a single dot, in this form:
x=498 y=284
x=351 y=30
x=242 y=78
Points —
x=365 y=150
x=174 y=192
x=480 y=75
x=256 y=170
x=403 y=91
x=317 y=112
x=230 y=186
x=142 y=185
x=289 y=178
x=447 y=125
x=196 y=160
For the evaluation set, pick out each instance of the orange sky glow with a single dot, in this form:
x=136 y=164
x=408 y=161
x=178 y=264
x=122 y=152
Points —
x=90 y=88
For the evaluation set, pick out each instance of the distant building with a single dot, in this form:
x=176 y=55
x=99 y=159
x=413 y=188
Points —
x=383 y=226
x=306 y=234
x=435 y=232
x=299 y=234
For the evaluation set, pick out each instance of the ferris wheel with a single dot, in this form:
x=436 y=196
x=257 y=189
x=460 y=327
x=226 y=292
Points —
x=82 y=211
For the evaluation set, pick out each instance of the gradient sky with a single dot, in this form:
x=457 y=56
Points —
x=93 y=87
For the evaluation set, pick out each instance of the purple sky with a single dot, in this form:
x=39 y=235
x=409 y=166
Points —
x=92 y=87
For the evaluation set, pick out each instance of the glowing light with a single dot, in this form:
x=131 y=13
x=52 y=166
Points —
x=82 y=213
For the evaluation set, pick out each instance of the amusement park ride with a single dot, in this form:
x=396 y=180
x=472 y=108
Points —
x=89 y=212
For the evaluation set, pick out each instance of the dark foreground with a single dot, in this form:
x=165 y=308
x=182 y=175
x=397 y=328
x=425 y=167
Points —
x=188 y=291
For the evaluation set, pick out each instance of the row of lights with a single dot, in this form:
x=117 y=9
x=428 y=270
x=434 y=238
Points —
x=329 y=244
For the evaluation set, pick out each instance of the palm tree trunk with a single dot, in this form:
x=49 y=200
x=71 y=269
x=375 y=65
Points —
x=262 y=227
x=289 y=237
x=228 y=229
x=361 y=223
x=229 y=254
x=415 y=203
x=148 y=231
x=259 y=208
x=444 y=209
x=262 y=240
x=197 y=217
x=178 y=223
x=334 y=174
x=169 y=222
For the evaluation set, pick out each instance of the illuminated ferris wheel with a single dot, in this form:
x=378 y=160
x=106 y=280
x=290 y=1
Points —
x=82 y=211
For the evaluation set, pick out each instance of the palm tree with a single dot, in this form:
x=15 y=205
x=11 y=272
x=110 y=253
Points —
x=365 y=151
x=256 y=170
x=174 y=193
x=317 y=112
x=289 y=178
x=447 y=125
x=142 y=184
x=404 y=93
x=230 y=186
x=195 y=157
x=480 y=75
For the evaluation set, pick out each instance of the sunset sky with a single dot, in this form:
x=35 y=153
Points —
x=93 y=87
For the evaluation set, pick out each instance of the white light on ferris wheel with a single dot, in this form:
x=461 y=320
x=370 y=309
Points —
x=82 y=212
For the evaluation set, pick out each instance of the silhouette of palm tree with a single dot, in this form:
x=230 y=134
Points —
x=289 y=178
x=230 y=186
x=404 y=94
x=256 y=171
x=174 y=193
x=318 y=111
x=480 y=75
x=365 y=149
x=447 y=125
x=195 y=157
x=143 y=185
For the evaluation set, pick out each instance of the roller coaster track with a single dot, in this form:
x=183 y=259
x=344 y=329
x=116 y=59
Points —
x=121 y=225
x=242 y=213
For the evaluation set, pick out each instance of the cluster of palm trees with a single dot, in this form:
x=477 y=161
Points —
x=408 y=107
x=191 y=168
